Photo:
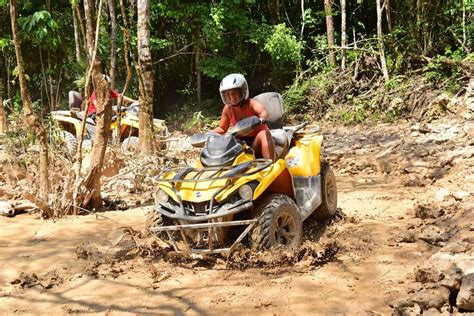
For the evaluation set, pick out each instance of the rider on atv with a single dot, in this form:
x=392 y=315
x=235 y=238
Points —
x=237 y=106
x=113 y=95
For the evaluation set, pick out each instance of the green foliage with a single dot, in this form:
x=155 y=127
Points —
x=251 y=37
x=4 y=42
x=392 y=83
x=197 y=122
x=218 y=67
x=358 y=113
x=18 y=137
x=309 y=94
x=191 y=121
x=78 y=72
x=159 y=43
x=439 y=67
x=40 y=28
x=260 y=34
x=296 y=96
x=283 y=46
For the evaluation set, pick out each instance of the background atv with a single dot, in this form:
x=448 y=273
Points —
x=230 y=196
x=70 y=122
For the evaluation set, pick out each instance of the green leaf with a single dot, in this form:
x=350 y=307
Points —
x=4 y=43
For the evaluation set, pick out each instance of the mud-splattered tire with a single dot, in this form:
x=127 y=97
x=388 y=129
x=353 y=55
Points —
x=153 y=219
x=328 y=207
x=160 y=144
x=70 y=140
x=279 y=224
x=130 y=143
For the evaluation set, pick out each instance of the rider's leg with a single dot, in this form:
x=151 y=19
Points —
x=263 y=145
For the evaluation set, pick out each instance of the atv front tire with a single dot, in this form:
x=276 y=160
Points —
x=279 y=224
x=70 y=140
x=153 y=219
x=328 y=207
x=130 y=143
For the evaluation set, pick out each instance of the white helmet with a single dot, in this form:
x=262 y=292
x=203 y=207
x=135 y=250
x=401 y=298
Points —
x=234 y=81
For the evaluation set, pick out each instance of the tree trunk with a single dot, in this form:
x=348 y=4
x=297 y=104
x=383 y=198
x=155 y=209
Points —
x=380 y=41
x=89 y=13
x=103 y=113
x=80 y=22
x=464 y=38
x=126 y=43
x=7 y=68
x=356 y=66
x=330 y=31
x=388 y=13
x=343 y=34
x=34 y=122
x=3 y=114
x=77 y=42
x=45 y=81
x=113 y=46
x=419 y=24
x=147 y=143
x=303 y=20
x=197 y=64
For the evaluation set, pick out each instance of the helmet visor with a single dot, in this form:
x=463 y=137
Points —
x=232 y=96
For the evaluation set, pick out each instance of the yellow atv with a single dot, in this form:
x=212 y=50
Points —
x=230 y=196
x=70 y=123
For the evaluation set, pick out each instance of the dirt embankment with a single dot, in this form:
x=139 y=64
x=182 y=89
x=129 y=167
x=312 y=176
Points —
x=401 y=244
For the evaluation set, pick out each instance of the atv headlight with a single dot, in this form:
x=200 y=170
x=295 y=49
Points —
x=161 y=196
x=246 y=192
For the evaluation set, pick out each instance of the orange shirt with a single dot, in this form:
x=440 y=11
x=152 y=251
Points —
x=248 y=113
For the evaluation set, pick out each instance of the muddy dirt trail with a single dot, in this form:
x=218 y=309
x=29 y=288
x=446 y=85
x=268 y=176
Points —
x=406 y=200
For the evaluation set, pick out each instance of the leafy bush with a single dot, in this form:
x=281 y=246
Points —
x=189 y=120
x=311 y=95
x=283 y=46
x=198 y=122
x=438 y=68
x=357 y=113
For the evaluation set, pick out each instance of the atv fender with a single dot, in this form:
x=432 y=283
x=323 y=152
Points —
x=71 y=120
x=304 y=158
x=273 y=176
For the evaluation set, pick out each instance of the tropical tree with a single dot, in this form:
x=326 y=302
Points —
x=145 y=72
x=33 y=120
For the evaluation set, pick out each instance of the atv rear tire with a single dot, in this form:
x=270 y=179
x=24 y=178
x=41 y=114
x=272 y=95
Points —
x=70 y=140
x=328 y=206
x=130 y=143
x=279 y=224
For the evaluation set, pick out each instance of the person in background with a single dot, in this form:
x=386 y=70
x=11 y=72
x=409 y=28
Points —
x=234 y=92
x=113 y=94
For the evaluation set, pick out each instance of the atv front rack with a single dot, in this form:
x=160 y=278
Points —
x=206 y=227
x=219 y=173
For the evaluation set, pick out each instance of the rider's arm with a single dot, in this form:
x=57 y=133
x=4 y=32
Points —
x=224 y=122
x=258 y=109
x=128 y=100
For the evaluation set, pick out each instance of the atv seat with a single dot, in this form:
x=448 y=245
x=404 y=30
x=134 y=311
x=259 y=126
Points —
x=273 y=104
